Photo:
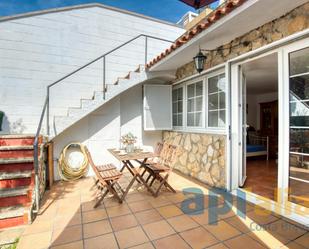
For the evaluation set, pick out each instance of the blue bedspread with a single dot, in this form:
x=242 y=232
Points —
x=255 y=148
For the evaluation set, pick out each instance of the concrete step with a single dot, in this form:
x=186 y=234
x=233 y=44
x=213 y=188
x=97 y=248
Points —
x=12 y=167
x=16 y=160
x=15 y=175
x=16 y=140
x=10 y=212
x=16 y=147
x=13 y=216
x=15 y=153
x=13 y=192
x=15 y=196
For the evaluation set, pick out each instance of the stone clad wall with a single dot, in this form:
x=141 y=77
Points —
x=202 y=156
x=293 y=22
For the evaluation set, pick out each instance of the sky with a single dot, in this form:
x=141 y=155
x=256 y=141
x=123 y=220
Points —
x=169 y=10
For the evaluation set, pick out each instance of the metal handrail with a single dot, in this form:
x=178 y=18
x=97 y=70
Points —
x=46 y=103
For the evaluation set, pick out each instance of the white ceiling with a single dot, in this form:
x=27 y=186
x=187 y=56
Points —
x=262 y=74
x=251 y=15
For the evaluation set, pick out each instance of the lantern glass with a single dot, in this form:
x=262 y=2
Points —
x=199 y=61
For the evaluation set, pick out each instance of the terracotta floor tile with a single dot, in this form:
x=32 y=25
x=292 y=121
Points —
x=287 y=230
x=222 y=230
x=89 y=206
x=182 y=223
x=160 y=201
x=106 y=241
x=294 y=245
x=67 y=220
x=110 y=202
x=174 y=241
x=96 y=228
x=177 y=198
x=218 y=246
x=118 y=210
x=260 y=218
x=39 y=227
x=137 y=197
x=268 y=238
x=243 y=240
x=73 y=245
x=202 y=218
x=140 y=206
x=158 y=229
x=199 y=238
x=148 y=216
x=95 y=215
x=42 y=240
x=303 y=240
x=238 y=223
x=131 y=237
x=143 y=246
x=123 y=222
x=70 y=234
x=169 y=211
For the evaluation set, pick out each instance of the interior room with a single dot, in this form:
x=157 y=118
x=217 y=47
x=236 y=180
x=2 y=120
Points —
x=261 y=81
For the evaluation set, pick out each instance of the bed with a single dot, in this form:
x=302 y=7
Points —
x=257 y=146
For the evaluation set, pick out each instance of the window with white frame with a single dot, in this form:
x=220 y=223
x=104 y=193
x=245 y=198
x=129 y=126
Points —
x=195 y=104
x=216 y=101
x=177 y=106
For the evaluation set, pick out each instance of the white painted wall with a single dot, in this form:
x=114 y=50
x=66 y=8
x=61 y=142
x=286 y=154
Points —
x=253 y=101
x=103 y=128
x=38 y=50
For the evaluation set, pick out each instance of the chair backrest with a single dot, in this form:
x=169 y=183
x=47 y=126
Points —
x=171 y=156
x=97 y=173
x=164 y=153
x=158 y=148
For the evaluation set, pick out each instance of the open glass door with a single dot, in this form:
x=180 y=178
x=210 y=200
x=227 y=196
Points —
x=298 y=182
x=243 y=126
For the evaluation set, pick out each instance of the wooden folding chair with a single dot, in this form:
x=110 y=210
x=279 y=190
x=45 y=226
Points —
x=160 y=171
x=107 y=180
x=157 y=152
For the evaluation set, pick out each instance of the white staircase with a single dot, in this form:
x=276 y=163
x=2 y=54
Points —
x=61 y=123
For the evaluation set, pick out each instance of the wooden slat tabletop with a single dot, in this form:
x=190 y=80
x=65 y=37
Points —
x=137 y=155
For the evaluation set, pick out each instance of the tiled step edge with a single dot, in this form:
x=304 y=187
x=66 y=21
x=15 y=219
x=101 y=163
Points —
x=11 y=192
x=16 y=160
x=11 y=212
x=16 y=147
x=15 y=175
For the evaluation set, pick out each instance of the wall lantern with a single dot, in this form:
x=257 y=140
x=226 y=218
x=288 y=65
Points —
x=199 y=61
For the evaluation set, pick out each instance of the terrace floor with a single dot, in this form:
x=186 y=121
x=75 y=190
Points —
x=67 y=220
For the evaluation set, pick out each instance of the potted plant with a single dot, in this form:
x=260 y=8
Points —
x=128 y=141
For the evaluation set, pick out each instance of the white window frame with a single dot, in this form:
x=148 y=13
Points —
x=215 y=128
x=193 y=128
x=183 y=107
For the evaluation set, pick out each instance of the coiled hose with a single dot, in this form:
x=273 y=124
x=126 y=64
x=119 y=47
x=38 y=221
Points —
x=67 y=171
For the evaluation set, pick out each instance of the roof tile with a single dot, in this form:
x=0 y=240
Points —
x=201 y=26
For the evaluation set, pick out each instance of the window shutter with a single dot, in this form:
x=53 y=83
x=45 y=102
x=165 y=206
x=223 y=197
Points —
x=157 y=107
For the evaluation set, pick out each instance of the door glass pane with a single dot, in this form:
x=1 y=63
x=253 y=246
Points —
x=222 y=100
x=300 y=87
x=213 y=119
x=190 y=119
x=299 y=62
x=213 y=85
x=179 y=106
x=198 y=119
x=199 y=104
x=221 y=122
x=180 y=120
x=191 y=90
x=199 y=88
x=213 y=102
x=299 y=128
x=190 y=105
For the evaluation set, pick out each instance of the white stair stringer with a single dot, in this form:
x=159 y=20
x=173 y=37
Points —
x=61 y=123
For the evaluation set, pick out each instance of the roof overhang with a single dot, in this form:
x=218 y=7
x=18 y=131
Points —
x=247 y=17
